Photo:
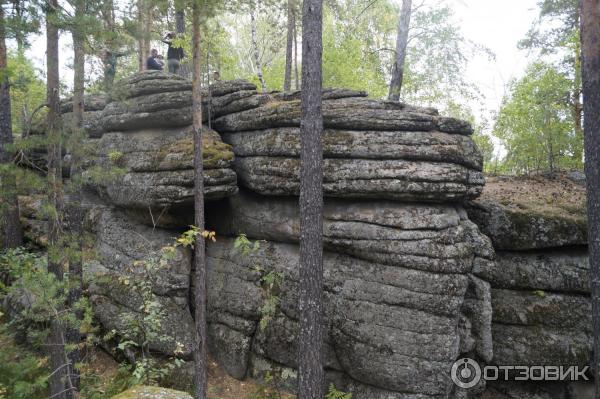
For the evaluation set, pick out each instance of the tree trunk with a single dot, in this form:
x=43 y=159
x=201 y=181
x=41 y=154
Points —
x=19 y=35
x=76 y=212
x=255 y=50
x=11 y=233
x=55 y=222
x=401 y=44
x=200 y=352
x=289 y=48
x=108 y=17
x=310 y=352
x=297 y=76
x=590 y=40
x=143 y=42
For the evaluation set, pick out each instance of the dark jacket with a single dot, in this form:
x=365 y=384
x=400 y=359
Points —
x=152 y=63
x=174 y=53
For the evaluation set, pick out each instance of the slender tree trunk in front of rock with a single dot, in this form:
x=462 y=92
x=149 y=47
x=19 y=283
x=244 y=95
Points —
x=310 y=297
x=255 y=49
x=590 y=39
x=75 y=208
x=201 y=350
x=11 y=234
x=58 y=379
x=401 y=45
x=289 y=48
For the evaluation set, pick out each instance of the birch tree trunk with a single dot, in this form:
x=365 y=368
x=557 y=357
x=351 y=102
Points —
x=401 y=44
x=200 y=352
x=255 y=50
x=590 y=40
x=11 y=233
x=289 y=48
x=310 y=297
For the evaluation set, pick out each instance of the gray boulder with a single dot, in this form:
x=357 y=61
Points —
x=524 y=229
x=565 y=271
x=344 y=113
x=153 y=169
x=125 y=251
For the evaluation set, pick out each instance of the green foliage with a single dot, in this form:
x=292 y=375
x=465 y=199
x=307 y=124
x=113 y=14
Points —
x=27 y=92
x=269 y=385
x=94 y=387
x=333 y=393
x=145 y=326
x=270 y=281
x=23 y=375
x=535 y=125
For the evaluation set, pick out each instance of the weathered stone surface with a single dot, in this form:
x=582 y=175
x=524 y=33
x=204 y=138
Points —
x=539 y=345
x=121 y=245
x=564 y=271
x=93 y=106
x=158 y=167
x=350 y=144
x=365 y=178
x=424 y=237
x=344 y=113
x=154 y=99
x=328 y=94
x=396 y=287
x=382 y=332
x=541 y=308
x=515 y=229
x=145 y=392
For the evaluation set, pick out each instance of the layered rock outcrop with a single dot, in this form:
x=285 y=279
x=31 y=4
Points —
x=540 y=280
x=418 y=273
x=373 y=149
x=396 y=279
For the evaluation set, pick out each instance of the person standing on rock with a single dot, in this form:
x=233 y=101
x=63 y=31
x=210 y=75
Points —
x=153 y=62
x=174 y=54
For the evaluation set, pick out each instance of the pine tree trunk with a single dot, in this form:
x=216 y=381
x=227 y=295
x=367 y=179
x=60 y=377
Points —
x=55 y=222
x=289 y=48
x=255 y=50
x=401 y=44
x=75 y=209
x=590 y=39
x=10 y=234
x=310 y=300
x=201 y=350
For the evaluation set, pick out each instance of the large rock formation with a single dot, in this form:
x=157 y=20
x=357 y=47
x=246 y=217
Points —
x=411 y=284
